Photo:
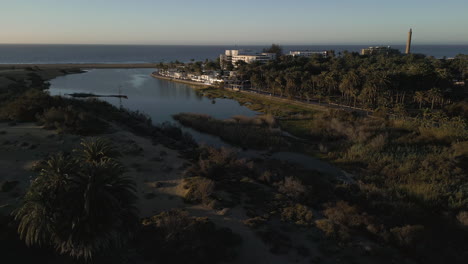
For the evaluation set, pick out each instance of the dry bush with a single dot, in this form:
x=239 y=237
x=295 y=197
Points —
x=408 y=236
x=269 y=120
x=445 y=129
x=298 y=214
x=460 y=154
x=341 y=126
x=255 y=222
x=218 y=164
x=462 y=217
x=458 y=109
x=199 y=190
x=331 y=230
x=460 y=149
x=266 y=177
x=345 y=214
x=293 y=188
x=378 y=142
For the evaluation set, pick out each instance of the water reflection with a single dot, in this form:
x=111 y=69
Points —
x=159 y=99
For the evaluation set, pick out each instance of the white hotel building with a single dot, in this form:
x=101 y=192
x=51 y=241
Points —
x=247 y=56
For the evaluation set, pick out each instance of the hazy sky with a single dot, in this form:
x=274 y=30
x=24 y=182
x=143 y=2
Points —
x=233 y=22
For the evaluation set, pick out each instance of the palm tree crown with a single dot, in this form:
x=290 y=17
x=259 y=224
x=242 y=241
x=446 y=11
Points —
x=79 y=205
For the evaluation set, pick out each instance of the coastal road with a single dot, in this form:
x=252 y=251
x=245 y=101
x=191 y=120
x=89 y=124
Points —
x=311 y=102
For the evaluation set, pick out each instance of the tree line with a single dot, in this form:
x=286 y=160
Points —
x=409 y=81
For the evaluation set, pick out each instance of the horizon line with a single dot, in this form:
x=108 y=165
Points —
x=243 y=44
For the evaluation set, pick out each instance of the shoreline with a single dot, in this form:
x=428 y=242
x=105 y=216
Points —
x=158 y=76
x=309 y=105
x=80 y=65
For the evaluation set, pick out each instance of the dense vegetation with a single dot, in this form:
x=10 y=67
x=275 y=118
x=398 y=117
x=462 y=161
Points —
x=396 y=82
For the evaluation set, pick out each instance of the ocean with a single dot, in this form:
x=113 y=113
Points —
x=50 y=54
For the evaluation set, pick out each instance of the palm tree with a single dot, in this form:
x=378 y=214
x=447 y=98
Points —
x=47 y=191
x=375 y=85
x=80 y=206
x=419 y=97
x=95 y=149
x=434 y=95
x=349 y=85
x=280 y=83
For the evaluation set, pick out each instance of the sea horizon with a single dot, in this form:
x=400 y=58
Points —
x=142 y=53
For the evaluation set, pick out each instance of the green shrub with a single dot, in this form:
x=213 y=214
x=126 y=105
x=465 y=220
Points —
x=72 y=120
x=26 y=107
x=176 y=133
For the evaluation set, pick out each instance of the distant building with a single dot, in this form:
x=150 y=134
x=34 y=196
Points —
x=247 y=56
x=237 y=85
x=379 y=50
x=179 y=75
x=308 y=53
x=209 y=78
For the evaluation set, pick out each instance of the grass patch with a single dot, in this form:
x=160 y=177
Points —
x=256 y=133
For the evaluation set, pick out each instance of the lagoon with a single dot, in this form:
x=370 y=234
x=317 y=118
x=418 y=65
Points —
x=159 y=99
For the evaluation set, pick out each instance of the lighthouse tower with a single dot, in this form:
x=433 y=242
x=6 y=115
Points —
x=408 y=43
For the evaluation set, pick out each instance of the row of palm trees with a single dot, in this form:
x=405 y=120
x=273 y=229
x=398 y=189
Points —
x=354 y=80
x=434 y=97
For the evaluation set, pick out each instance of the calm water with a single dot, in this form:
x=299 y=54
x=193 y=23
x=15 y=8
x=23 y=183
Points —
x=160 y=53
x=159 y=99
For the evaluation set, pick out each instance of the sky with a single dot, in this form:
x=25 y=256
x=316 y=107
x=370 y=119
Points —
x=240 y=22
